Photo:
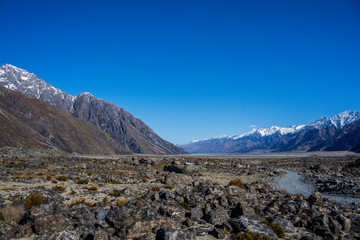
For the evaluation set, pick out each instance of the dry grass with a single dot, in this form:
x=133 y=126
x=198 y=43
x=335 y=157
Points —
x=62 y=178
x=236 y=182
x=156 y=189
x=92 y=188
x=80 y=201
x=59 y=188
x=115 y=193
x=120 y=202
x=34 y=199
x=82 y=181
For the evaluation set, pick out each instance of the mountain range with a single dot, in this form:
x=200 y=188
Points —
x=339 y=133
x=122 y=132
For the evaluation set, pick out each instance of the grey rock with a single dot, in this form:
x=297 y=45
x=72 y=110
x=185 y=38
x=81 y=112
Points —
x=250 y=224
x=176 y=179
x=172 y=234
x=68 y=235
x=196 y=213
x=218 y=217
x=287 y=225
x=101 y=214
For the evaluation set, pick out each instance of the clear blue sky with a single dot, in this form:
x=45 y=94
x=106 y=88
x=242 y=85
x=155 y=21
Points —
x=194 y=69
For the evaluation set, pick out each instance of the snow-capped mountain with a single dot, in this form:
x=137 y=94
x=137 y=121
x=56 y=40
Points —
x=256 y=131
x=129 y=131
x=322 y=134
x=339 y=120
x=20 y=80
x=271 y=130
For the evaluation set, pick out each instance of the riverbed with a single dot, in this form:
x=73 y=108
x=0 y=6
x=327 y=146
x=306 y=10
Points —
x=291 y=181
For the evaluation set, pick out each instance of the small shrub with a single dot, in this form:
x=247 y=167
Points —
x=77 y=178
x=112 y=181
x=279 y=231
x=169 y=187
x=115 y=193
x=236 y=182
x=144 y=179
x=250 y=236
x=59 y=188
x=161 y=180
x=73 y=192
x=185 y=205
x=34 y=199
x=2 y=218
x=48 y=177
x=62 y=178
x=249 y=173
x=106 y=199
x=82 y=181
x=120 y=202
x=92 y=188
x=54 y=181
x=80 y=201
x=215 y=183
x=156 y=189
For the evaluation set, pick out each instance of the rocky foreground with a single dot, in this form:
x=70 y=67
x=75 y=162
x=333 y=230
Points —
x=55 y=196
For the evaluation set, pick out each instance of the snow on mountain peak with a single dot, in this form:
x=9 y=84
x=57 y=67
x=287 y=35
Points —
x=271 y=130
x=9 y=67
x=86 y=94
x=344 y=118
x=339 y=120
x=22 y=81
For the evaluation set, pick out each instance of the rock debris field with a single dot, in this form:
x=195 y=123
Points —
x=52 y=195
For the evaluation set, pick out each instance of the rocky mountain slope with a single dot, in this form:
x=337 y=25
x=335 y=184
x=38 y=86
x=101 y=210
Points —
x=123 y=127
x=339 y=133
x=29 y=122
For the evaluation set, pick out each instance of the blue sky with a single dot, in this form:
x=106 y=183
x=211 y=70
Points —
x=194 y=69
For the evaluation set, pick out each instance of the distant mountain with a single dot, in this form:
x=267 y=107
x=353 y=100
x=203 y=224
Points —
x=127 y=130
x=339 y=133
x=29 y=122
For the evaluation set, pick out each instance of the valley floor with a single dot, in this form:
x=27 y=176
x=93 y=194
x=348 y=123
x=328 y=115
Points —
x=51 y=195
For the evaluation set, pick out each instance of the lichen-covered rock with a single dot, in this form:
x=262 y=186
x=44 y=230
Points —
x=172 y=234
x=50 y=223
x=285 y=224
x=176 y=179
x=218 y=217
x=250 y=224
x=67 y=235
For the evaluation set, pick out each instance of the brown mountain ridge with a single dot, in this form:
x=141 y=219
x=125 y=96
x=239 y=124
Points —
x=132 y=134
x=32 y=123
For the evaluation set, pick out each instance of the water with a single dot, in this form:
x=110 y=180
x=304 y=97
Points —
x=291 y=181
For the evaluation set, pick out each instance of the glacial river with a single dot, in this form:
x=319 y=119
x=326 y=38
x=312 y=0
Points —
x=291 y=181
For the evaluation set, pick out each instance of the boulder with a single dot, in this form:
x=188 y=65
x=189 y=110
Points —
x=172 y=234
x=251 y=224
x=175 y=179
x=218 y=216
x=196 y=213
x=287 y=225
x=50 y=222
